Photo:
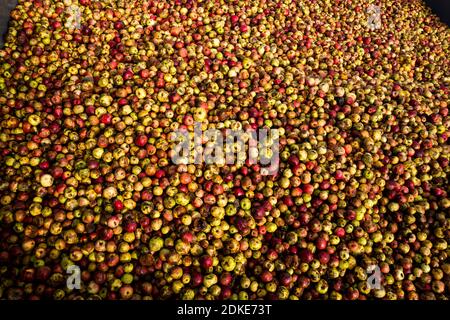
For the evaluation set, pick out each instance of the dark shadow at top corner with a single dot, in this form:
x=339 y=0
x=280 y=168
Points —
x=441 y=8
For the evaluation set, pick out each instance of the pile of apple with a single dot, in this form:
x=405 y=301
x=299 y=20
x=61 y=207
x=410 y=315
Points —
x=91 y=92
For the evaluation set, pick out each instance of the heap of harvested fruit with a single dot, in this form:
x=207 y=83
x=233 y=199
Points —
x=90 y=92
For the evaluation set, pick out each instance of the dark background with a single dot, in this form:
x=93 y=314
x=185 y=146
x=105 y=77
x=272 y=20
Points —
x=440 y=7
x=5 y=7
